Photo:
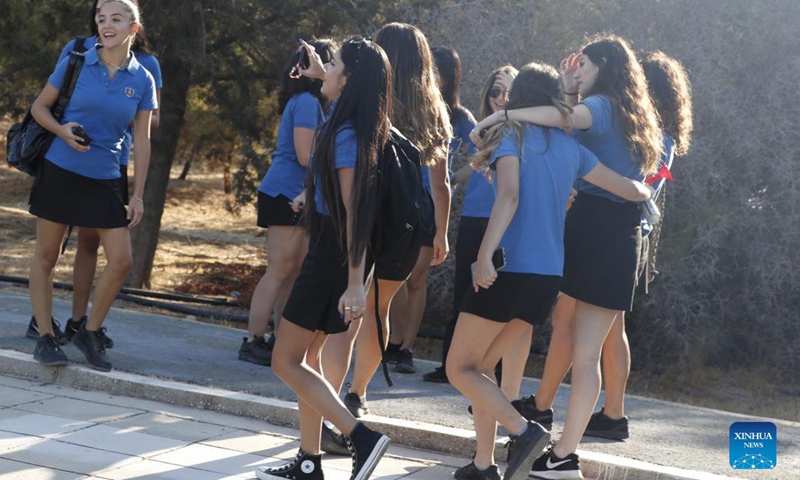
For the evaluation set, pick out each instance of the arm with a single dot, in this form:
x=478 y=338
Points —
x=463 y=174
x=354 y=296
x=41 y=112
x=505 y=206
x=440 y=191
x=141 y=151
x=615 y=183
x=303 y=143
x=155 y=121
x=545 y=116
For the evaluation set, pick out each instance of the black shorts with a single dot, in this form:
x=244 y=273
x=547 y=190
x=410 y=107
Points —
x=527 y=296
x=67 y=198
x=123 y=184
x=276 y=211
x=429 y=220
x=602 y=247
x=314 y=301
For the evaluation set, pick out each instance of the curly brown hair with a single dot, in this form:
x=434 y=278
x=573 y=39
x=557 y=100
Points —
x=419 y=110
x=621 y=78
x=671 y=92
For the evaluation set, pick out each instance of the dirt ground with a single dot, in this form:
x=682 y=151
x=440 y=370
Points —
x=204 y=249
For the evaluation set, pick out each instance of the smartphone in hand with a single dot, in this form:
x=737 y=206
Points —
x=85 y=138
x=498 y=260
x=301 y=60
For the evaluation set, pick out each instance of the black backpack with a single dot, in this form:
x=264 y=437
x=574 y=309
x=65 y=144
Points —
x=403 y=207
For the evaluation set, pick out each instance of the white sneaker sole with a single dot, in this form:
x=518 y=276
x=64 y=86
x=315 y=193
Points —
x=374 y=458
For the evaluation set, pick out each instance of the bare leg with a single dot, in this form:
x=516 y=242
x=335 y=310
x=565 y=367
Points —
x=514 y=361
x=117 y=247
x=84 y=270
x=559 y=354
x=286 y=248
x=417 y=296
x=616 y=368
x=310 y=420
x=288 y=362
x=48 y=241
x=590 y=328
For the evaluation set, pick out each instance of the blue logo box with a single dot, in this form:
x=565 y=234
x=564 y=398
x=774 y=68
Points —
x=753 y=445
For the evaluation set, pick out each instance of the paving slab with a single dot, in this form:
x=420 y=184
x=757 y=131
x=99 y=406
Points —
x=87 y=411
x=11 y=470
x=171 y=427
x=14 y=397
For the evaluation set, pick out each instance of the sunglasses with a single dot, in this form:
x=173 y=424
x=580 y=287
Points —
x=497 y=92
x=358 y=42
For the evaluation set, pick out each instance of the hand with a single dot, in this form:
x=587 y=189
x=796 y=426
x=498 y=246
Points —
x=135 y=211
x=506 y=79
x=440 y=249
x=353 y=303
x=484 y=275
x=568 y=68
x=65 y=133
x=475 y=134
x=299 y=202
x=572 y=194
x=315 y=67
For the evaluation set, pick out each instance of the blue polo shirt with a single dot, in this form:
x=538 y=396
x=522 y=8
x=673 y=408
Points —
x=345 y=154
x=150 y=63
x=550 y=162
x=286 y=176
x=605 y=139
x=88 y=43
x=104 y=108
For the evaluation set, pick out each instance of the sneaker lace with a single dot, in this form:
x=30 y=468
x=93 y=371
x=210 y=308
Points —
x=288 y=466
x=100 y=335
x=353 y=457
x=51 y=342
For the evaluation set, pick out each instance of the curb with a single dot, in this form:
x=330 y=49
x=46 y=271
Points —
x=424 y=436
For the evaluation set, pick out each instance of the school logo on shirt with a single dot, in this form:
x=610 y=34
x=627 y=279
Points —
x=753 y=445
x=129 y=92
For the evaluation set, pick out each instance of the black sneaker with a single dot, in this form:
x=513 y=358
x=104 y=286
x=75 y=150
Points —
x=74 y=325
x=471 y=472
x=303 y=466
x=92 y=345
x=332 y=441
x=437 y=376
x=526 y=406
x=33 y=331
x=523 y=450
x=48 y=352
x=548 y=466
x=405 y=362
x=603 y=426
x=391 y=352
x=367 y=447
x=257 y=351
x=356 y=405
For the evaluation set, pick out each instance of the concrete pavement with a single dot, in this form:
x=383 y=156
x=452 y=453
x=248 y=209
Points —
x=195 y=364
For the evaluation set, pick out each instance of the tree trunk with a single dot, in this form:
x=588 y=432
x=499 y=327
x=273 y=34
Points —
x=182 y=31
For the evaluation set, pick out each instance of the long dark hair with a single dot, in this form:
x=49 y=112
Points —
x=671 y=91
x=292 y=86
x=448 y=65
x=141 y=43
x=366 y=99
x=536 y=84
x=621 y=78
x=419 y=111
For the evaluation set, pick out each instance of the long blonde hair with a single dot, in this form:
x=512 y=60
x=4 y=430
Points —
x=419 y=110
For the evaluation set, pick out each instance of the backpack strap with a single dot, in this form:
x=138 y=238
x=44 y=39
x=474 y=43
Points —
x=79 y=44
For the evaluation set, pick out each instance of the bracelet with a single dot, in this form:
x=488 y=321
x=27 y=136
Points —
x=505 y=112
x=137 y=198
x=571 y=94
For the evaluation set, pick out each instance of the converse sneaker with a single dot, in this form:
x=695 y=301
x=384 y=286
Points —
x=48 y=352
x=303 y=466
x=471 y=472
x=391 y=352
x=549 y=466
x=437 y=376
x=74 y=325
x=93 y=348
x=405 y=362
x=33 y=331
x=526 y=406
x=257 y=351
x=367 y=447
x=332 y=441
x=523 y=450
x=603 y=426
x=356 y=405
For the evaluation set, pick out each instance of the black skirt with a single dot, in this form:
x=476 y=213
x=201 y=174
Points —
x=276 y=211
x=527 y=296
x=67 y=198
x=314 y=301
x=602 y=246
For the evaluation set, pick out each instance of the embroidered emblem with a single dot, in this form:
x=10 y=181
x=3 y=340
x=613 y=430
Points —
x=129 y=92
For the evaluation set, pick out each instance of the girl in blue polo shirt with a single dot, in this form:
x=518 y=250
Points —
x=615 y=119
x=302 y=109
x=329 y=292
x=533 y=170
x=83 y=271
x=79 y=183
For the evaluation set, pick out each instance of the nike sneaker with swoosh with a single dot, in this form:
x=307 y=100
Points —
x=550 y=467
